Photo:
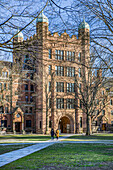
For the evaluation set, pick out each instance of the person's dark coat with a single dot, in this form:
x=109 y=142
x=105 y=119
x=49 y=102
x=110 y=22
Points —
x=52 y=133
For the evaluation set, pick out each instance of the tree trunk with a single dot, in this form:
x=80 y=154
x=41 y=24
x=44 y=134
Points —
x=87 y=125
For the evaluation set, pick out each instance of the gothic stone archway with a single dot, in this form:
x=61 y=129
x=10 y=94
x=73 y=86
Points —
x=65 y=124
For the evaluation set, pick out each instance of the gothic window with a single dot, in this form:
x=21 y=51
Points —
x=50 y=53
x=80 y=122
x=80 y=88
x=26 y=87
x=70 y=103
x=31 y=98
x=79 y=72
x=79 y=57
x=70 y=72
x=59 y=70
x=28 y=123
x=31 y=87
x=31 y=110
x=3 y=123
x=70 y=87
x=49 y=102
x=49 y=86
x=59 y=87
x=50 y=68
x=70 y=56
x=4 y=86
x=59 y=54
x=60 y=103
x=26 y=98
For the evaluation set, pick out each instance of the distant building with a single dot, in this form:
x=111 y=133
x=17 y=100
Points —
x=41 y=93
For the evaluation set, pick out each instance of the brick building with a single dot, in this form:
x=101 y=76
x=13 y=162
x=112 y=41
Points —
x=42 y=80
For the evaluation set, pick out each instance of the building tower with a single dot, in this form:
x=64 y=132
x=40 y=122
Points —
x=84 y=37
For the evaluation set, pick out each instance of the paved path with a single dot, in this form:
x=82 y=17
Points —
x=14 y=155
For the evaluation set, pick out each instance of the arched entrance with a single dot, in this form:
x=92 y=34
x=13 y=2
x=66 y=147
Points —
x=64 y=125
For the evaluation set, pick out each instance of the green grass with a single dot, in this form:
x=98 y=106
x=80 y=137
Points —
x=67 y=156
x=8 y=148
x=91 y=137
x=30 y=137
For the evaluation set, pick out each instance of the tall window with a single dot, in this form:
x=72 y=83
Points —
x=49 y=86
x=79 y=57
x=80 y=122
x=70 y=71
x=26 y=110
x=31 y=87
x=26 y=98
x=1 y=109
x=50 y=68
x=4 y=123
x=30 y=110
x=31 y=98
x=70 y=87
x=28 y=123
x=26 y=87
x=59 y=87
x=70 y=103
x=0 y=86
x=5 y=74
x=60 y=103
x=81 y=104
x=111 y=102
x=59 y=70
x=50 y=52
x=40 y=124
x=80 y=88
x=4 y=86
x=70 y=56
x=79 y=72
x=59 y=54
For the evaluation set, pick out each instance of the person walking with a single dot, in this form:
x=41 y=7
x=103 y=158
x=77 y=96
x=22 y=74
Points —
x=57 y=134
x=52 y=133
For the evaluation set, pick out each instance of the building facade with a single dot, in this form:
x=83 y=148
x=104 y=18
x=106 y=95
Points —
x=42 y=92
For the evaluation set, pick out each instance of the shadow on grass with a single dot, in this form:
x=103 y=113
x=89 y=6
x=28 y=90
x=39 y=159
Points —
x=96 y=137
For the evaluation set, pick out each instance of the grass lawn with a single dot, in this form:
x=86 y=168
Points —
x=101 y=136
x=29 y=137
x=8 y=148
x=67 y=156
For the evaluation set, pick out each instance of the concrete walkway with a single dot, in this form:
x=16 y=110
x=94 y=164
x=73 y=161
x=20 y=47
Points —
x=17 y=154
